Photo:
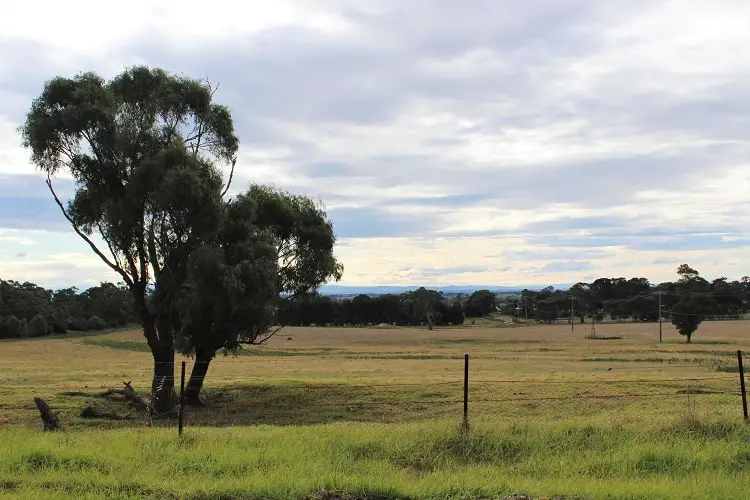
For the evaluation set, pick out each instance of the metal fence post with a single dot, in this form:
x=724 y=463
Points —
x=182 y=400
x=466 y=390
x=742 y=384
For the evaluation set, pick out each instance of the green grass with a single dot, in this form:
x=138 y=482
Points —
x=682 y=458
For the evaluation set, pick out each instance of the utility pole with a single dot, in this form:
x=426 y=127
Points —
x=659 y=293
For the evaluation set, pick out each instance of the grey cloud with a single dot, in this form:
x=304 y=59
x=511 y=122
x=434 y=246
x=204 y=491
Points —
x=302 y=75
x=723 y=115
x=305 y=77
x=294 y=73
x=324 y=169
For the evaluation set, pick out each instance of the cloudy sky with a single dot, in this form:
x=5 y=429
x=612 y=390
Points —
x=453 y=142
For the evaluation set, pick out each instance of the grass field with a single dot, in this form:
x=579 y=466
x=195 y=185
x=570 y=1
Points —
x=375 y=410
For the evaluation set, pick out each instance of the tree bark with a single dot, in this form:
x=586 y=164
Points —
x=197 y=376
x=163 y=394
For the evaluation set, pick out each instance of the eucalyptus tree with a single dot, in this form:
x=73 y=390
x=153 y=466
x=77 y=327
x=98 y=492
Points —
x=274 y=248
x=145 y=149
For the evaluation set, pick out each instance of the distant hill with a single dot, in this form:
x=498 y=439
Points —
x=449 y=289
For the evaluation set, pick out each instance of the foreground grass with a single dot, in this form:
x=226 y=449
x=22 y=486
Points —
x=683 y=458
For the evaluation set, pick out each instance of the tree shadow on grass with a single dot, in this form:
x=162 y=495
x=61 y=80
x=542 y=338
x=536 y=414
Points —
x=321 y=404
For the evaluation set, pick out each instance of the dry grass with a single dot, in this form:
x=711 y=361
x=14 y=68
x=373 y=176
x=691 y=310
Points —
x=319 y=375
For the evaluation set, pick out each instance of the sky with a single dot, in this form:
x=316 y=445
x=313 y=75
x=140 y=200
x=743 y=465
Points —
x=452 y=142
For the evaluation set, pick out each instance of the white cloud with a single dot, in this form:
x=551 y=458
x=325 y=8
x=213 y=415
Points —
x=566 y=126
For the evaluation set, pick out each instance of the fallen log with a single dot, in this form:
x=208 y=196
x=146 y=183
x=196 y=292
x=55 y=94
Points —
x=49 y=419
x=140 y=402
x=90 y=412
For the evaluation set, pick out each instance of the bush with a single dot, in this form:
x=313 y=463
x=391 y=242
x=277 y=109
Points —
x=37 y=326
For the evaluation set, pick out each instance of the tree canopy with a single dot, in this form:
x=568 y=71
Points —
x=273 y=244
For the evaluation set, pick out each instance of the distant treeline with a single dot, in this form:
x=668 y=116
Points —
x=635 y=299
x=28 y=310
x=420 y=307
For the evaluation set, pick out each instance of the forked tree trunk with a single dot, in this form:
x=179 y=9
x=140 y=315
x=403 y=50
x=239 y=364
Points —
x=197 y=376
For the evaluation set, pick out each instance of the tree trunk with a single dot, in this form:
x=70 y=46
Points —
x=163 y=394
x=197 y=376
x=689 y=337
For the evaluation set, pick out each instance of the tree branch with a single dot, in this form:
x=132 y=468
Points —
x=109 y=245
x=267 y=337
x=275 y=330
x=142 y=252
x=231 y=175
x=85 y=238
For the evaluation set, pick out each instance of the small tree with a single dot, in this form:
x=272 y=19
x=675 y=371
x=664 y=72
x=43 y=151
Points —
x=425 y=304
x=272 y=244
x=693 y=306
x=690 y=312
x=480 y=303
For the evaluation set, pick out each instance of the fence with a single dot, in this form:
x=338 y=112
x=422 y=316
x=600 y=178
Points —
x=487 y=393
x=462 y=393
